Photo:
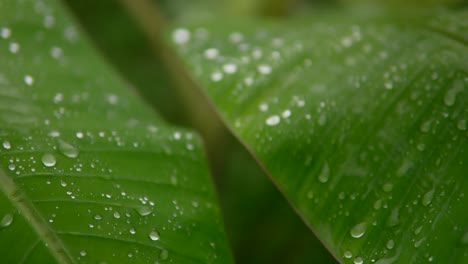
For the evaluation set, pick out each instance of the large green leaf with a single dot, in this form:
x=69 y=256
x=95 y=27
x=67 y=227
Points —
x=88 y=173
x=360 y=120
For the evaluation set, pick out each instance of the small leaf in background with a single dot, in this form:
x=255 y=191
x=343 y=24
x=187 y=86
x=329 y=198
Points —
x=88 y=173
x=359 y=119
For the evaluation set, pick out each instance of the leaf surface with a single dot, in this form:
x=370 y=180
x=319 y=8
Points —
x=88 y=172
x=359 y=119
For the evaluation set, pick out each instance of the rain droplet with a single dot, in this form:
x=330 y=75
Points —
x=273 y=120
x=426 y=126
x=6 y=220
x=154 y=235
x=378 y=204
x=211 y=53
x=29 y=80
x=427 y=197
x=14 y=47
x=388 y=187
x=451 y=94
x=348 y=254
x=164 y=254
x=116 y=215
x=132 y=231
x=48 y=160
x=390 y=244
x=322 y=120
x=325 y=173
x=79 y=134
x=181 y=36
x=83 y=253
x=216 y=76
x=461 y=124
x=5 y=32
x=264 y=69
x=394 y=218
x=67 y=149
x=230 y=68
x=358 y=260
x=358 y=230
x=6 y=144
x=144 y=210
x=97 y=217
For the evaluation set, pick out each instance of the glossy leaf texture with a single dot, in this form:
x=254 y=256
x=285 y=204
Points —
x=360 y=119
x=89 y=173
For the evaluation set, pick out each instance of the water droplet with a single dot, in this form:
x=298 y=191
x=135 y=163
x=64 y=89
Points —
x=164 y=254
x=264 y=69
x=144 y=210
x=378 y=204
x=348 y=254
x=286 y=113
x=14 y=47
x=322 y=120
x=358 y=230
x=79 y=134
x=388 y=85
x=263 y=107
x=461 y=124
x=273 y=120
x=116 y=215
x=394 y=218
x=6 y=220
x=427 y=197
x=230 y=68
x=358 y=260
x=6 y=144
x=181 y=36
x=421 y=146
x=67 y=149
x=5 y=32
x=132 y=231
x=48 y=160
x=390 y=244
x=426 y=126
x=56 y=52
x=388 y=187
x=211 y=53
x=325 y=173
x=451 y=94
x=97 y=217
x=216 y=76
x=83 y=253
x=29 y=80
x=154 y=235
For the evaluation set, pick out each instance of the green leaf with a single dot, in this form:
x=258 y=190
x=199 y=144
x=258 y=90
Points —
x=359 y=119
x=89 y=173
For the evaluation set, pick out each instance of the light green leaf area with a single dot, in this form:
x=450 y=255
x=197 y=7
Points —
x=88 y=173
x=360 y=120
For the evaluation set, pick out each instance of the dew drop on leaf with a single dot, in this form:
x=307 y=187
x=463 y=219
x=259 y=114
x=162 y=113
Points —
x=164 y=254
x=6 y=144
x=427 y=197
x=348 y=254
x=358 y=260
x=325 y=173
x=358 y=230
x=461 y=125
x=144 y=210
x=68 y=150
x=154 y=235
x=48 y=160
x=390 y=244
x=273 y=120
x=6 y=220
